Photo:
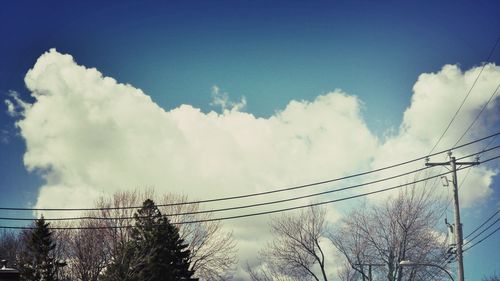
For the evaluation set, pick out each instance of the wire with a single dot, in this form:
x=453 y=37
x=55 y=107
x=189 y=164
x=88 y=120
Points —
x=477 y=116
x=484 y=230
x=244 y=206
x=486 y=237
x=257 y=193
x=485 y=149
x=261 y=213
x=466 y=96
x=236 y=207
x=485 y=222
x=451 y=258
x=490 y=142
x=470 y=126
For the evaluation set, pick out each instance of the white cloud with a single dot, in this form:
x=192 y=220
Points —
x=10 y=108
x=221 y=99
x=436 y=97
x=90 y=135
x=16 y=107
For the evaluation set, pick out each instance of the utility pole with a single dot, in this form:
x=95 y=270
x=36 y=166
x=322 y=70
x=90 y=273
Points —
x=458 y=225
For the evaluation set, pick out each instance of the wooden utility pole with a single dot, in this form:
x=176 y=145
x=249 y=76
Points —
x=458 y=225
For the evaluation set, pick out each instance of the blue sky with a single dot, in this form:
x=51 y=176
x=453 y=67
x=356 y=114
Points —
x=270 y=52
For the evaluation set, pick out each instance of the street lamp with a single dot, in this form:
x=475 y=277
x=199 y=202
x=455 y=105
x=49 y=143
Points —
x=410 y=263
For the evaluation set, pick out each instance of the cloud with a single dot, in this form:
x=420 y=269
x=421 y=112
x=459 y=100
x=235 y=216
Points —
x=436 y=98
x=16 y=106
x=86 y=131
x=89 y=135
x=221 y=99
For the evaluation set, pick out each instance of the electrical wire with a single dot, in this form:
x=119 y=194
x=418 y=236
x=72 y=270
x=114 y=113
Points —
x=485 y=222
x=257 y=193
x=484 y=230
x=470 y=126
x=466 y=96
x=452 y=258
x=485 y=149
x=261 y=213
x=484 y=238
x=235 y=207
x=477 y=116
x=245 y=206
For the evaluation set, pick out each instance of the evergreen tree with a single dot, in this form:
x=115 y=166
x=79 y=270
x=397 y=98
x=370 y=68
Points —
x=124 y=268
x=155 y=251
x=37 y=261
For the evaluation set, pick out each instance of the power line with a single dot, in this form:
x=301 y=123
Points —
x=265 y=212
x=470 y=126
x=450 y=259
x=486 y=237
x=245 y=206
x=485 y=222
x=479 y=114
x=490 y=142
x=466 y=96
x=485 y=149
x=484 y=230
x=257 y=193
x=236 y=207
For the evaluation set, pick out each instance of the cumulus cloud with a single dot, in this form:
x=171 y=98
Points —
x=88 y=132
x=89 y=135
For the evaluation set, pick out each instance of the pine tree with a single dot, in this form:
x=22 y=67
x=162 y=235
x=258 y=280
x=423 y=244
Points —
x=166 y=257
x=124 y=268
x=155 y=251
x=37 y=261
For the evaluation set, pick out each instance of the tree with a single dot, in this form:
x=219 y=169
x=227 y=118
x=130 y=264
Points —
x=212 y=250
x=296 y=252
x=86 y=249
x=9 y=247
x=37 y=259
x=404 y=228
x=155 y=250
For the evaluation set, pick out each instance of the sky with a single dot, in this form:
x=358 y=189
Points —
x=218 y=98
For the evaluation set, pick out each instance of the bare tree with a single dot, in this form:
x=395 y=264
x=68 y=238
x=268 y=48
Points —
x=296 y=252
x=357 y=247
x=269 y=272
x=88 y=251
x=10 y=245
x=347 y=273
x=85 y=251
x=402 y=229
